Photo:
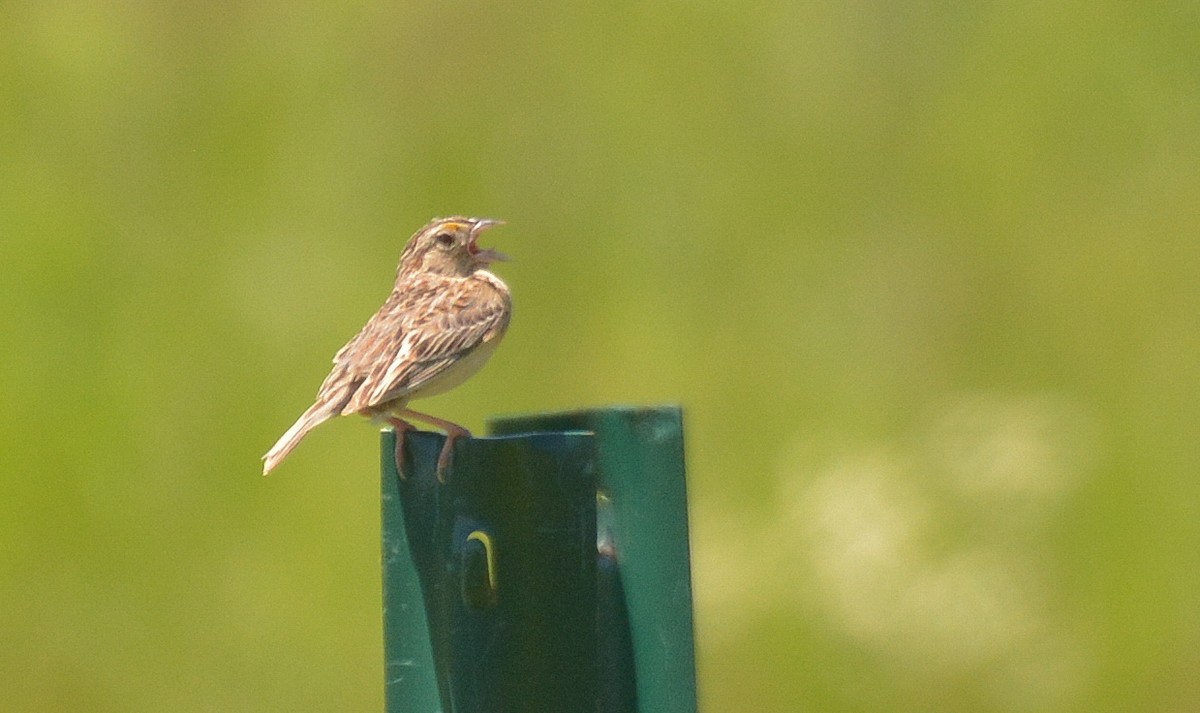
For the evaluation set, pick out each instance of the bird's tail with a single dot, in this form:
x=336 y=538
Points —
x=316 y=414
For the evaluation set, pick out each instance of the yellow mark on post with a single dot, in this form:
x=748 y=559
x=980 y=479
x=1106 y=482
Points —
x=490 y=552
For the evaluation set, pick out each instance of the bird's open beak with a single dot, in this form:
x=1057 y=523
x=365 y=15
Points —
x=484 y=254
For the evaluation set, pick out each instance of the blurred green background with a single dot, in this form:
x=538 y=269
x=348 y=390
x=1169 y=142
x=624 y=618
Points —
x=925 y=277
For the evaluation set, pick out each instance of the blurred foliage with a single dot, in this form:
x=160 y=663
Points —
x=924 y=276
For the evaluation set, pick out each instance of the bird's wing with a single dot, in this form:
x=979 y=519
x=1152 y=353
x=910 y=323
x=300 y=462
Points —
x=422 y=330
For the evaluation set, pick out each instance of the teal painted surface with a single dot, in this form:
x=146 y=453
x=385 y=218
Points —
x=581 y=597
x=410 y=681
x=641 y=474
x=490 y=578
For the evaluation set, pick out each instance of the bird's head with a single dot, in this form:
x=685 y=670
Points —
x=447 y=246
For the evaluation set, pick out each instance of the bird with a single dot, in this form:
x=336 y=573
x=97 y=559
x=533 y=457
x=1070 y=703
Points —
x=443 y=319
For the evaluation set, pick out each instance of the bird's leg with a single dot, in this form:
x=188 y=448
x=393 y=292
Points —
x=443 y=462
x=401 y=427
x=453 y=433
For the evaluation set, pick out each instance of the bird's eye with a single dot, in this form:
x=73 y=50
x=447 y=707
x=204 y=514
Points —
x=444 y=239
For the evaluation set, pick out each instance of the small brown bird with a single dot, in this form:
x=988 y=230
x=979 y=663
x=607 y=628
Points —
x=442 y=321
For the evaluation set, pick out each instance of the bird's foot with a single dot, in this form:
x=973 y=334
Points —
x=453 y=433
x=401 y=429
x=447 y=454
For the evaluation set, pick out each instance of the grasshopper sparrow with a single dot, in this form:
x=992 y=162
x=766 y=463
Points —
x=442 y=321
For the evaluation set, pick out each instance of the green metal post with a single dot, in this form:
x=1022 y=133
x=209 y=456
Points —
x=490 y=577
x=641 y=481
x=548 y=573
x=410 y=680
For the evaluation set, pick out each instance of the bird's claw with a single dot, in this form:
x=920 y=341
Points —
x=447 y=454
x=444 y=458
x=401 y=429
